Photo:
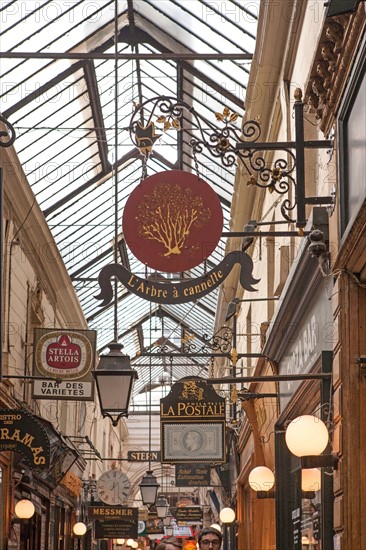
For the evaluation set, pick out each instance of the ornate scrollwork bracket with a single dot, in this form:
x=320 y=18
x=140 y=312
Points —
x=231 y=145
x=285 y=172
x=7 y=138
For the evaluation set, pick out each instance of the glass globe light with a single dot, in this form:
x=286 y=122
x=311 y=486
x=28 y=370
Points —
x=307 y=435
x=311 y=479
x=261 y=478
x=129 y=542
x=227 y=515
x=24 y=509
x=121 y=541
x=79 y=529
x=216 y=526
x=135 y=544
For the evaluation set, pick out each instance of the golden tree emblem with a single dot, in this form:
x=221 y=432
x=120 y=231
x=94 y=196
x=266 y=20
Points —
x=168 y=215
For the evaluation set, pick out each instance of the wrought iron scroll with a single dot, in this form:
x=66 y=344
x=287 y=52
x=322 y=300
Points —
x=9 y=135
x=284 y=176
x=168 y=112
x=219 y=342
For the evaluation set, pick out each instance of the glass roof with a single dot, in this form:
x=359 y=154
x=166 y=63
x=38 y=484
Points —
x=71 y=98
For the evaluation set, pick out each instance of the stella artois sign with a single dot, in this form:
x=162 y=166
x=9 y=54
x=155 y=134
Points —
x=67 y=356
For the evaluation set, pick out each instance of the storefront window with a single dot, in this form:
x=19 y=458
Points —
x=352 y=146
x=310 y=524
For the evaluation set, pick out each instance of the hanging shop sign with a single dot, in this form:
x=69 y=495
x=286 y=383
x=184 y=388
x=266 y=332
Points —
x=113 y=522
x=177 y=293
x=154 y=525
x=68 y=356
x=192 y=475
x=189 y=515
x=172 y=221
x=192 y=423
x=143 y=456
x=20 y=431
x=113 y=512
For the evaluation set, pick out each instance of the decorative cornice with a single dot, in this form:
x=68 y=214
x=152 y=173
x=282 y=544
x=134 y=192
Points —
x=332 y=63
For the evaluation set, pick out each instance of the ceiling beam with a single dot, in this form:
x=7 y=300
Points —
x=167 y=56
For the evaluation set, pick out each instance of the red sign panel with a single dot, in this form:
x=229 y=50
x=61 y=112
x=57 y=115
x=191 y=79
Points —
x=172 y=221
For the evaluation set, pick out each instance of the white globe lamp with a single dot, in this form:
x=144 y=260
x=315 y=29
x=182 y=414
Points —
x=227 y=515
x=311 y=479
x=216 y=526
x=79 y=529
x=261 y=478
x=307 y=435
x=24 y=509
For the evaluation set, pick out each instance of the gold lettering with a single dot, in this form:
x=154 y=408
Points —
x=130 y=282
x=16 y=435
x=36 y=451
x=4 y=433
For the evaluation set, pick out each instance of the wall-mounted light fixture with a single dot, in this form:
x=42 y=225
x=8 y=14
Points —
x=120 y=541
x=261 y=480
x=79 y=530
x=114 y=379
x=307 y=437
x=24 y=509
x=227 y=517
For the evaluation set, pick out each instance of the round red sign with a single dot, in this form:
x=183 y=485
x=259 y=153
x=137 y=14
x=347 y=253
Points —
x=172 y=221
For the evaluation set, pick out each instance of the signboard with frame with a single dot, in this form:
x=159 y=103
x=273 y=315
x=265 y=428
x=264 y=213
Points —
x=192 y=475
x=189 y=514
x=114 y=522
x=67 y=356
x=22 y=432
x=192 y=418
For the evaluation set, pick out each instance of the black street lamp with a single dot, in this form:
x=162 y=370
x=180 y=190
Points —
x=114 y=379
x=149 y=488
x=162 y=507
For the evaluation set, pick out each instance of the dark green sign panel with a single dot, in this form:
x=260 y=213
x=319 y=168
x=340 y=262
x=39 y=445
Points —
x=115 y=522
x=192 y=475
x=21 y=431
x=189 y=514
